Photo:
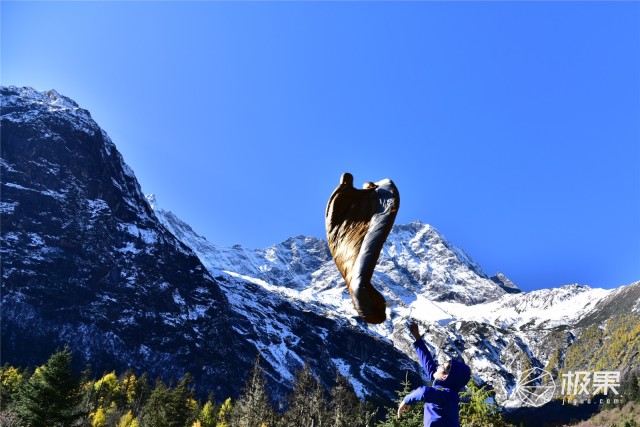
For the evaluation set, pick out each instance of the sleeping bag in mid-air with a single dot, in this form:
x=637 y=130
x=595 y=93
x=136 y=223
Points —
x=358 y=223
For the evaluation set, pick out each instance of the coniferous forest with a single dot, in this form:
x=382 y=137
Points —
x=52 y=395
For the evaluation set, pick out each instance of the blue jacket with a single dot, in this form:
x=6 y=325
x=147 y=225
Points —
x=441 y=400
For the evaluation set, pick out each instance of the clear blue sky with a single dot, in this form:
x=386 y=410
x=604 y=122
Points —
x=511 y=127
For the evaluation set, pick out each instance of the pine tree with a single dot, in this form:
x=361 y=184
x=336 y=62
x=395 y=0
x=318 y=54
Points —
x=477 y=407
x=52 y=395
x=347 y=409
x=170 y=408
x=155 y=411
x=631 y=387
x=411 y=418
x=253 y=408
x=307 y=403
x=207 y=416
x=319 y=404
x=183 y=404
x=141 y=393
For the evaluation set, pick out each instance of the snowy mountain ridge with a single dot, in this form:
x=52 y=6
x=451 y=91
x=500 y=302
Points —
x=423 y=277
x=301 y=268
x=86 y=264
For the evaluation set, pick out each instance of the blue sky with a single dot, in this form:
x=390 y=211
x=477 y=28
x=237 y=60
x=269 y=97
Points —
x=511 y=127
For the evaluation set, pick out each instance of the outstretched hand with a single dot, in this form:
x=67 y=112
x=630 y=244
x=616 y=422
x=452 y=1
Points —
x=415 y=331
x=403 y=407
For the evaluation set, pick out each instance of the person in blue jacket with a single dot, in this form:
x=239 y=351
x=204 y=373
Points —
x=441 y=399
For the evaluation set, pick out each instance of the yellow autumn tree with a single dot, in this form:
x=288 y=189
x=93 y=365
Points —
x=98 y=418
x=107 y=388
x=207 y=415
x=224 y=415
x=128 y=420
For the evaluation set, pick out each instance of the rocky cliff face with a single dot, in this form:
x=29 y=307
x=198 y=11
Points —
x=87 y=264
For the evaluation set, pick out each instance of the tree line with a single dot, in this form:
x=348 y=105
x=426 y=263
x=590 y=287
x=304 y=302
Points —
x=52 y=395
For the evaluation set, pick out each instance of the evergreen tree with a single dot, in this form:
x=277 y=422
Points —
x=253 y=408
x=412 y=418
x=183 y=403
x=319 y=404
x=155 y=411
x=346 y=408
x=477 y=407
x=631 y=387
x=307 y=403
x=170 y=408
x=141 y=393
x=52 y=395
x=370 y=413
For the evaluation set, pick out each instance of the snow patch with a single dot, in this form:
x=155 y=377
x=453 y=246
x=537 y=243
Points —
x=95 y=206
x=280 y=290
x=7 y=207
x=344 y=370
x=379 y=372
x=177 y=298
x=49 y=193
x=198 y=311
x=116 y=184
x=36 y=240
x=129 y=248
x=20 y=117
x=149 y=237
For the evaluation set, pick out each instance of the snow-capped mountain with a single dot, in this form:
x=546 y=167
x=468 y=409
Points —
x=499 y=330
x=88 y=262
x=85 y=262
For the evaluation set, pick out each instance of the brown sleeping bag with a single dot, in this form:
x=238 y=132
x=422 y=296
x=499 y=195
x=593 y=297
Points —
x=358 y=223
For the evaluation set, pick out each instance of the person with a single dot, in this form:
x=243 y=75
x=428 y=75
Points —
x=441 y=399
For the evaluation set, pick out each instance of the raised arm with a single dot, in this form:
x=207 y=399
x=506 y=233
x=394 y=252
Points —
x=426 y=360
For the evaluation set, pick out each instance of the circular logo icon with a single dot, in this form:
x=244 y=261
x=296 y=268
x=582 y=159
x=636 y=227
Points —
x=535 y=387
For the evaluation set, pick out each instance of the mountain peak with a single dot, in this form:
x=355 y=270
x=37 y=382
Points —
x=51 y=98
x=414 y=227
x=505 y=283
x=152 y=200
